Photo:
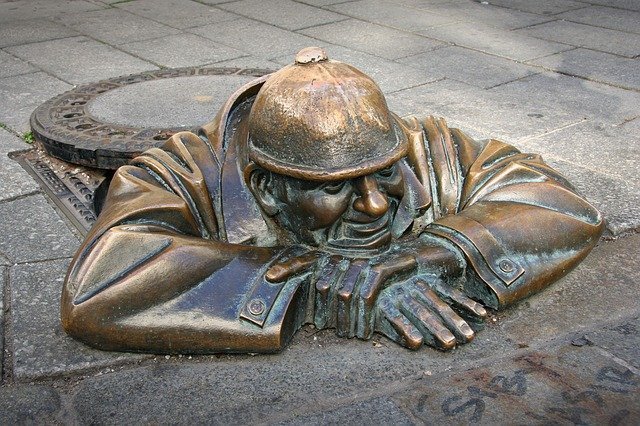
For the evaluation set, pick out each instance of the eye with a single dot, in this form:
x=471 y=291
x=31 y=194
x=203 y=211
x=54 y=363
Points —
x=386 y=173
x=334 y=187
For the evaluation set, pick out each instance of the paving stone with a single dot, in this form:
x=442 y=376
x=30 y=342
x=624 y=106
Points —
x=607 y=17
x=249 y=62
x=496 y=41
x=20 y=95
x=612 y=150
x=31 y=230
x=622 y=4
x=371 y=38
x=575 y=96
x=389 y=75
x=479 y=112
x=597 y=66
x=621 y=340
x=4 y=262
x=328 y=371
x=177 y=13
x=29 y=31
x=542 y=7
x=14 y=181
x=13 y=66
x=397 y=16
x=378 y=411
x=319 y=3
x=483 y=14
x=116 y=26
x=10 y=143
x=285 y=14
x=580 y=35
x=21 y=9
x=617 y=199
x=470 y=66
x=255 y=38
x=4 y=273
x=40 y=346
x=557 y=385
x=181 y=50
x=28 y=404
x=85 y=60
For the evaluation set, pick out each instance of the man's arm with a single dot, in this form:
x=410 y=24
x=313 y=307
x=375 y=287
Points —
x=152 y=275
x=519 y=223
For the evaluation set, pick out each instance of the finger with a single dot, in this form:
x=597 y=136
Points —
x=398 y=328
x=434 y=332
x=371 y=287
x=324 y=306
x=346 y=312
x=283 y=270
x=451 y=319
x=466 y=306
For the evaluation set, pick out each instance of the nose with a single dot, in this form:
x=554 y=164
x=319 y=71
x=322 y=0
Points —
x=371 y=201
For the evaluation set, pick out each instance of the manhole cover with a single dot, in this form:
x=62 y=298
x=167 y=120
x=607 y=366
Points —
x=107 y=123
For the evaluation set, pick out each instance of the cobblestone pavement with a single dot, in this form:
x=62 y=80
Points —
x=558 y=77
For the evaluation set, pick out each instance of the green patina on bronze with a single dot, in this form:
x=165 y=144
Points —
x=306 y=200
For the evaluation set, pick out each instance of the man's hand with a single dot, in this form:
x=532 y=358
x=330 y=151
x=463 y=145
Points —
x=414 y=312
x=346 y=290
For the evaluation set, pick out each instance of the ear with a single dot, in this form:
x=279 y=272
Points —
x=261 y=184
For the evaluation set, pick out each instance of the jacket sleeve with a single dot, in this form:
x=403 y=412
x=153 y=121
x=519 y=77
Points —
x=520 y=224
x=152 y=275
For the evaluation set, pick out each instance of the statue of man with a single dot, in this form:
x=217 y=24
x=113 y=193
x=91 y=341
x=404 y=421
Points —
x=307 y=201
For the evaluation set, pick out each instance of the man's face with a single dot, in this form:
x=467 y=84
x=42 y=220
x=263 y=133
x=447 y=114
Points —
x=344 y=215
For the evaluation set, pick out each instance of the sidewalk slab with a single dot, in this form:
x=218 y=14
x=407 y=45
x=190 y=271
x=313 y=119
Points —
x=559 y=385
x=178 y=14
x=116 y=26
x=14 y=181
x=470 y=66
x=483 y=14
x=85 y=60
x=17 y=32
x=285 y=14
x=13 y=66
x=21 y=9
x=580 y=35
x=621 y=4
x=374 y=39
x=20 y=95
x=28 y=404
x=392 y=15
x=607 y=17
x=255 y=38
x=181 y=50
x=249 y=61
x=499 y=42
x=574 y=96
x=40 y=346
x=31 y=231
x=10 y=143
x=597 y=66
x=541 y=7
x=378 y=411
x=605 y=148
x=482 y=113
x=389 y=75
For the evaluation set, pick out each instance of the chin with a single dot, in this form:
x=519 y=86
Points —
x=356 y=233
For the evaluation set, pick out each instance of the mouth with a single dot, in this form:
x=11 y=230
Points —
x=359 y=232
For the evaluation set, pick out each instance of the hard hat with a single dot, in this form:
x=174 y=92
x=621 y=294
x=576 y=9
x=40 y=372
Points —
x=319 y=119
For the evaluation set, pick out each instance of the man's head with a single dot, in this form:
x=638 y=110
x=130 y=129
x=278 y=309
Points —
x=325 y=152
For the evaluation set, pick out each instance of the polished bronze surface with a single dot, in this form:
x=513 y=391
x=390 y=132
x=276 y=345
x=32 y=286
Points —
x=306 y=201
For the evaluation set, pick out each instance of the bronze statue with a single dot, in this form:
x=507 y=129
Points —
x=306 y=201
